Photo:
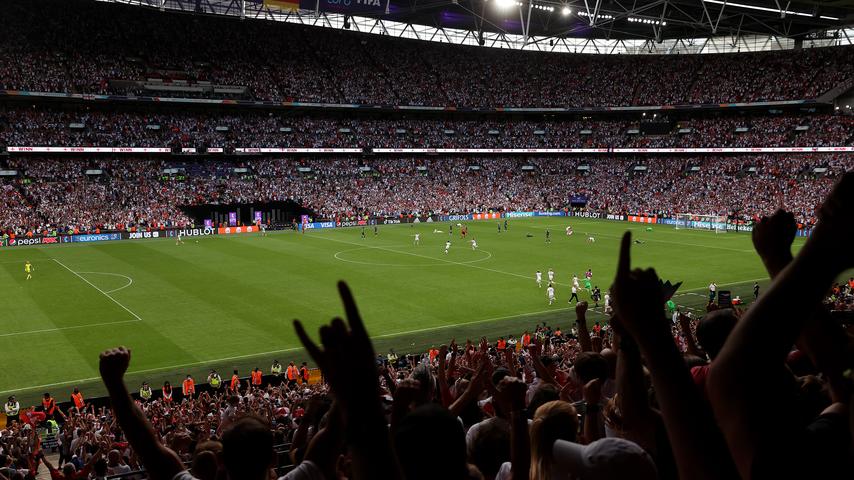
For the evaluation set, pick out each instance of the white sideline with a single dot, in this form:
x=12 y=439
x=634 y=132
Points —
x=98 y=289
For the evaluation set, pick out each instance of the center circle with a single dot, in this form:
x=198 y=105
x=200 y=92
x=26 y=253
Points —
x=389 y=250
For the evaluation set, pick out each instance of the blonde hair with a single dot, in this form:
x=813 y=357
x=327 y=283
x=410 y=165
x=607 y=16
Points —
x=552 y=421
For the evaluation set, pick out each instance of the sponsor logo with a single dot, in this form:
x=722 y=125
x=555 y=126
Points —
x=518 y=214
x=98 y=237
x=318 y=225
x=20 y=242
x=611 y=216
x=594 y=215
x=452 y=218
x=50 y=240
x=391 y=221
x=549 y=214
x=196 y=232
x=138 y=235
x=486 y=216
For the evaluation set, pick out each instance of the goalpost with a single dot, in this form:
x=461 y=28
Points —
x=716 y=223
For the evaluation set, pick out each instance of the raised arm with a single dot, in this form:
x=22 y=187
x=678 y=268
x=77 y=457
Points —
x=348 y=362
x=698 y=447
x=511 y=393
x=160 y=462
x=583 y=332
x=748 y=369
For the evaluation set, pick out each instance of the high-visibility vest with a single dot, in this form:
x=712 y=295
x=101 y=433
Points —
x=276 y=369
x=256 y=377
x=215 y=380
x=501 y=345
x=12 y=409
x=235 y=382
x=526 y=340
x=304 y=372
x=78 y=400
x=292 y=372
x=189 y=387
x=49 y=406
x=145 y=393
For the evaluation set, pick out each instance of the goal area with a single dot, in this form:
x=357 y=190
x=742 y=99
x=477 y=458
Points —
x=691 y=221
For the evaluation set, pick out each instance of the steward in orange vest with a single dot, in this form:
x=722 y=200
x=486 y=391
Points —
x=188 y=388
x=292 y=373
x=167 y=392
x=235 y=382
x=77 y=398
x=257 y=377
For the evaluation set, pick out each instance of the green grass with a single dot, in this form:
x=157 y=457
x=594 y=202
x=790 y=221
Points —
x=228 y=302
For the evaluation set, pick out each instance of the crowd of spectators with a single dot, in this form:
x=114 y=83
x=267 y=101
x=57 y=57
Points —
x=636 y=388
x=89 y=47
x=48 y=127
x=56 y=194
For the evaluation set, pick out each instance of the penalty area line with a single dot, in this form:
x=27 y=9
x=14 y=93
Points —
x=106 y=294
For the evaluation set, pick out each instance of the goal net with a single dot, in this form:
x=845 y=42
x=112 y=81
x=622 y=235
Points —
x=715 y=223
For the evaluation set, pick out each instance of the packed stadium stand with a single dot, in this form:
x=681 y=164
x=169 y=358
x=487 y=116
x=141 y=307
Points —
x=117 y=118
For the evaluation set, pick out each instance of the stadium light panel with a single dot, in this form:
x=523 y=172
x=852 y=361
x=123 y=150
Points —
x=566 y=11
x=504 y=4
x=756 y=7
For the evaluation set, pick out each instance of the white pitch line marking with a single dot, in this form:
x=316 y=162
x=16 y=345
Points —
x=58 y=329
x=81 y=277
x=130 y=280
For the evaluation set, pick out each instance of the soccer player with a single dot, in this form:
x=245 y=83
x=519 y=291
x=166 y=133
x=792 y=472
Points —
x=588 y=274
x=608 y=308
x=550 y=292
x=376 y=230
x=28 y=268
x=450 y=229
x=474 y=244
x=499 y=228
x=591 y=238
x=447 y=246
x=548 y=236
x=587 y=285
x=574 y=295
x=713 y=288
x=363 y=232
x=596 y=295
x=755 y=291
x=180 y=240
x=263 y=228
x=568 y=231
x=417 y=239
x=551 y=274
x=505 y=225
x=539 y=279
x=575 y=281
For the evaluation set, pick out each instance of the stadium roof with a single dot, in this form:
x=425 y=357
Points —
x=590 y=26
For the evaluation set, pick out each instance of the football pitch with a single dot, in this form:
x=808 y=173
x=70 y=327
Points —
x=227 y=302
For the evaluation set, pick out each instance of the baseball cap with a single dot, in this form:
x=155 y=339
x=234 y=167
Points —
x=606 y=458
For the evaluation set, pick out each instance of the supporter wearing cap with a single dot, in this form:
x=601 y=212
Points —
x=604 y=459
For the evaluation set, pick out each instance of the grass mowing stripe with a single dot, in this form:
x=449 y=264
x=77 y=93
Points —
x=98 y=289
x=60 y=329
x=451 y=262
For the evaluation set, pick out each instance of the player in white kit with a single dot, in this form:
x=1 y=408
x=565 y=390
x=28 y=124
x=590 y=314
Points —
x=551 y=275
x=575 y=281
x=550 y=292
x=417 y=239
x=539 y=279
x=473 y=244
x=447 y=246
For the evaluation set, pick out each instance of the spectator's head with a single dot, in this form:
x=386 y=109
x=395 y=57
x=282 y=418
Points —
x=555 y=420
x=590 y=366
x=431 y=428
x=490 y=447
x=713 y=330
x=610 y=356
x=68 y=470
x=204 y=465
x=247 y=447
x=544 y=393
x=603 y=459
x=100 y=468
